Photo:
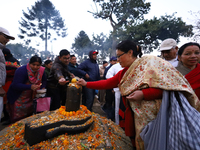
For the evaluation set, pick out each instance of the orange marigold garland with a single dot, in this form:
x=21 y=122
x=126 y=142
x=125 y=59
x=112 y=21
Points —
x=82 y=111
x=91 y=139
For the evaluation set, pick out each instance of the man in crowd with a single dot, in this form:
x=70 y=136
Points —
x=169 y=50
x=111 y=72
x=90 y=69
x=102 y=69
x=4 y=39
x=102 y=93
x=73 y=67
x=58 y=79
x=110 y=94
x=113 y=60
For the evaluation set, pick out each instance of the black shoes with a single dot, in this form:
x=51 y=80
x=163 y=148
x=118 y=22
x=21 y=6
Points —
x=4 y=119
x=7 y=122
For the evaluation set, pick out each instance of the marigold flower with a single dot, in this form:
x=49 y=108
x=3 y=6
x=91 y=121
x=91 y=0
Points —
x=66 y=142
x=89 y=138
x=97 y=136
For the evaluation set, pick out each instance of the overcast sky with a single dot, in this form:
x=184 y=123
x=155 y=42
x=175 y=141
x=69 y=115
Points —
x=77 y=18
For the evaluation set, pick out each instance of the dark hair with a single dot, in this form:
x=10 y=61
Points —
x=182 y=48
x=63 y=52
x=104 y=62
x=47 y=62
x=72 y=56
x=7 y=53
x=127 y=45
x=35 y=58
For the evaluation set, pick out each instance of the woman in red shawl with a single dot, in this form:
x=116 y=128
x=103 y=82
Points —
x=127 y=53
x=141 y=83
x=27 y=79
x=189 y=57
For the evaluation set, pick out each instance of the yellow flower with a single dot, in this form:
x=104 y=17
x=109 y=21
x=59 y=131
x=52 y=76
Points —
x=73 y=80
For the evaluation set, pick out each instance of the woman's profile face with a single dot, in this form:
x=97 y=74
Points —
x=122 y=58
x=125 y=58
x=190 y=56
x=35 y=66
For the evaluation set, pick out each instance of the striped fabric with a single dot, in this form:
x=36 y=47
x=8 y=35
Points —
x=176 y=127
x=184 y=124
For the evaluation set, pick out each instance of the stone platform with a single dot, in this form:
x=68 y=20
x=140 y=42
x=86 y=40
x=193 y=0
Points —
x=103 y=134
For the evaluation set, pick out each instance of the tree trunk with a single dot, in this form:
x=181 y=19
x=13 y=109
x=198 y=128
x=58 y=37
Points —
x=114 y=42
x=46 y=35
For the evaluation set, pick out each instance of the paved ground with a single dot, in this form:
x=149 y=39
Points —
x=96 y=108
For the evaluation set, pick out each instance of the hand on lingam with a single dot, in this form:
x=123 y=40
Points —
x=82 y=82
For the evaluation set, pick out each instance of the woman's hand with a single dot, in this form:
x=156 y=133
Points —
x=35 y=87
x=62 y=81
x=82 y=82
x=136 y=96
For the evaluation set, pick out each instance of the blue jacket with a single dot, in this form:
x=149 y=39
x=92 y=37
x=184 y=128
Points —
x=106 y=70
x=74 y=69
x=90 y=67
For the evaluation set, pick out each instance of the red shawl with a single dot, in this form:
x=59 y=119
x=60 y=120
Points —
x=37 y=77
x=193 y=78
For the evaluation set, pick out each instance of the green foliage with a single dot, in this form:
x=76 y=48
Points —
x=121 y=13
x=40 y=20
x=82 y=44
x=102 y=44
x=170 y=26
x=47 y=55
x=149 y=32
x=127 y=19
x=22 y=53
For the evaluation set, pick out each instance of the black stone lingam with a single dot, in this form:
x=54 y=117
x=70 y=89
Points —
x=35 y=135
x=73 y=97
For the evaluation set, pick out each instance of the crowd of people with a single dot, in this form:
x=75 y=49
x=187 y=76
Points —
x=132 y=88
x=142 y=84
